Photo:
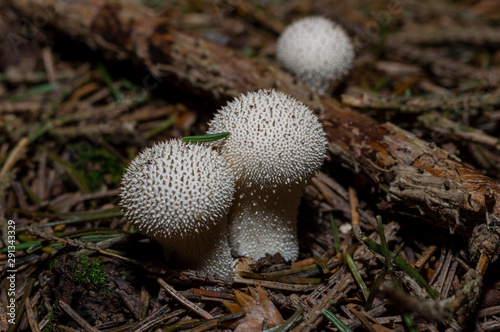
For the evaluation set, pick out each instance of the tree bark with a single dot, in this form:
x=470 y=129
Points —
x=413 y=173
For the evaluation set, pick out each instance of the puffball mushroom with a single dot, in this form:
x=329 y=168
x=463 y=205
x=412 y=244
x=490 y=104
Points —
x=275 y=147
x=179 y=194
x=317 y=51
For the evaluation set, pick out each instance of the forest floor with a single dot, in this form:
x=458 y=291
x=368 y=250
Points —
x=73 y=115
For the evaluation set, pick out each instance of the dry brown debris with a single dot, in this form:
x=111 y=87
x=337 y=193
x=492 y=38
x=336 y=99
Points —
x=87 y=84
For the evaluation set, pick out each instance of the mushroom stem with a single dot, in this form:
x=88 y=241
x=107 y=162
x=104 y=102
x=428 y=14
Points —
x=265 y=222
x=206 y=251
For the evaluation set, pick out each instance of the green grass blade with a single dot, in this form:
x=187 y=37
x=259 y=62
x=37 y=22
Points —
x=204 y=138
x=357 y=276
x=109 y=82
x=35 y=91
x=383 y=245
x=336 y=321
x=375 y=287
x=335 y=234
x=77 y=179
x=402 y=264
x=289 y=323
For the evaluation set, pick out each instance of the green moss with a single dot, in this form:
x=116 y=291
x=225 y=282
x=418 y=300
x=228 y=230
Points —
x=90 y=271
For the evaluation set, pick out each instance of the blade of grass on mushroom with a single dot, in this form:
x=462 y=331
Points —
x=402 y=264
x=336 y=321
x=355 y=273
x=286 y=280
x=335 y=234
x=205 y=138
x=289 y=323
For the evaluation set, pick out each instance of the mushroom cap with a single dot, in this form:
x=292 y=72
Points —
x=174 y=189
x=275 y=139
x=317 y=50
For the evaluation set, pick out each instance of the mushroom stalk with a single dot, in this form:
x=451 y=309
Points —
x=265 y=221
x=206 y=251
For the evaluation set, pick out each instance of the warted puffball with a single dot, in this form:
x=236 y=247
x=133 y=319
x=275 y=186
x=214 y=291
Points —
x=179 y=194
x=275 y=147
x=317 y=51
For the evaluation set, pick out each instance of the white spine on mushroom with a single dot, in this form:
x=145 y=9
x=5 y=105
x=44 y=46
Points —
x=275 y=147
x=179 y=194
x=317 y=50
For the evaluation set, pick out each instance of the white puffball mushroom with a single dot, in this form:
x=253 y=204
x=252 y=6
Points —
x=317 y=50
x=275 y=147
x=179 y=194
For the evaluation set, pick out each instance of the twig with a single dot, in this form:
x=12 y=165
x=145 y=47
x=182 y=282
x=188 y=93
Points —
x=188 y=304
x=435 y=121
x=364 y=321
x=73 y=314
x=13 y=157
x=475 y=35
x=154 y=320
x=340 y=283
x=274 y=285
x=353 y=203
x=416 y=104
x=281 y=279
x=31 y=316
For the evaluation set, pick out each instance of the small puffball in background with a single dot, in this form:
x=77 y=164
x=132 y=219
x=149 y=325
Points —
x=179 y=194
x=318 y=51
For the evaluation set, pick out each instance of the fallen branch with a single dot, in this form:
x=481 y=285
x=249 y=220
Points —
x=414 y=174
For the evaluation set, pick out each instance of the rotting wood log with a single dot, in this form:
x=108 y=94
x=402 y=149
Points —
x=413 y=173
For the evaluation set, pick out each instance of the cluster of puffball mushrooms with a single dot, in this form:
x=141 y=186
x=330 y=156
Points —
x=206 y=203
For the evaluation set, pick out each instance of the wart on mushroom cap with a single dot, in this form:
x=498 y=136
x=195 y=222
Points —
x=276 y=145
x=179 y=194
x=317 y=50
